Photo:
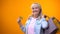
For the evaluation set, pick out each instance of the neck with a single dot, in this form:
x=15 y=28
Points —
x=35 y=16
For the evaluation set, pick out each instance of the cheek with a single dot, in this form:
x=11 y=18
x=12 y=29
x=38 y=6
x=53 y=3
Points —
x=37 y=9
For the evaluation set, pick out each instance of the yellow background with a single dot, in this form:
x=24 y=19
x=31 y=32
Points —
x=12 y=9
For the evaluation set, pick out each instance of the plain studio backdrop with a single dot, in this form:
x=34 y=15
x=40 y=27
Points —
x=12 y=9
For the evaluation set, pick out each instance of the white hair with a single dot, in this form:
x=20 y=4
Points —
x=40 y=14
x=36 y=4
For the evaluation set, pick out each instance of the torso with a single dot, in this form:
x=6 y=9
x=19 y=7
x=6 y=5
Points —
x=31 y=26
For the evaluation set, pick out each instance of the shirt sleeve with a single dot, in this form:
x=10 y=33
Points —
x=44 y=23
x=23 y=28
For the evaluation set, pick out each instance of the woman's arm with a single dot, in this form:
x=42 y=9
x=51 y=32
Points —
x=21 y=26
x=44 y=23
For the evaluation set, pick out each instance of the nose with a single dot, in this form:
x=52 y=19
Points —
x=34 y=9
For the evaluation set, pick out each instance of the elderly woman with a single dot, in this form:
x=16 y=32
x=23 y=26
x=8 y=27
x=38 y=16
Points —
x=36 y=22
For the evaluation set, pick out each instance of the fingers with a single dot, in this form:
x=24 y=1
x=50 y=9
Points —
x=19 y=20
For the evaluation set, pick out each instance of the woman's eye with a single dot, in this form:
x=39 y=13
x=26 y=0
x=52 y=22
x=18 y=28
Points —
x=32 y=8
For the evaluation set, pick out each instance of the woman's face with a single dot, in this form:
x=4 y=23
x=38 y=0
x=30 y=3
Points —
x=35 y=9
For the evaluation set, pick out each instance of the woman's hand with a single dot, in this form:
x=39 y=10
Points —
x=19 y=21
x=44 y=16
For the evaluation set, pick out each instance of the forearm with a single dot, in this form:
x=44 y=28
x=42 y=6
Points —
x=22 y=27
